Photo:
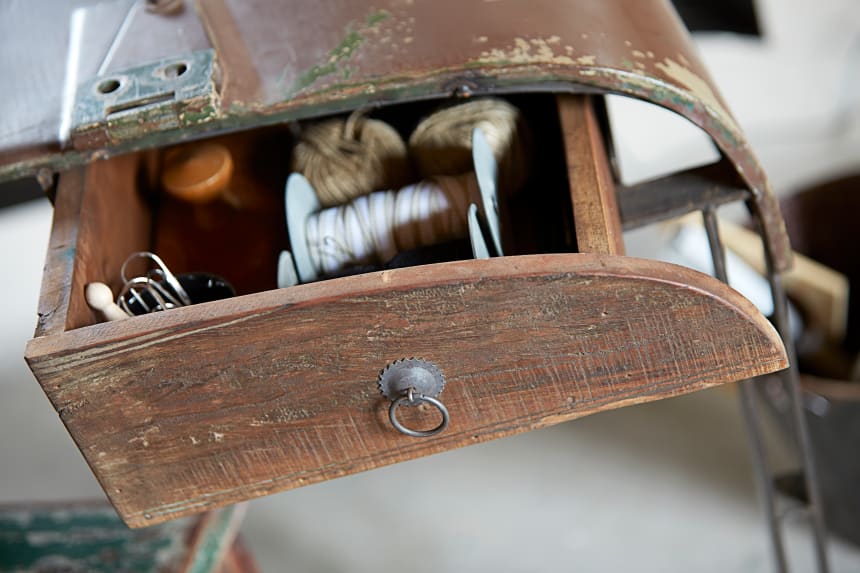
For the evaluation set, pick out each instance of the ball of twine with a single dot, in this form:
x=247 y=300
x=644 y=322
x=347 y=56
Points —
x=442 y=142
x=346 y=158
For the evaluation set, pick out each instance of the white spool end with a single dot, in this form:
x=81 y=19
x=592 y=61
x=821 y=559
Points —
x=476 y=235
x=301 y=202
x=487 y=173
x=287 y=276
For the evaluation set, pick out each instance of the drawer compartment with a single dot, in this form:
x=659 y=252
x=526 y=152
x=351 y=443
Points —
x=182 y=411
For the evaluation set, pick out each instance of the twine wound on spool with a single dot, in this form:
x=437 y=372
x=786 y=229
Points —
x=346 y=158
x=442 y=142
x=375 y=227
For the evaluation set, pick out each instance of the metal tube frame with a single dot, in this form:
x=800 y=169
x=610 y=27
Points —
x=750 y=409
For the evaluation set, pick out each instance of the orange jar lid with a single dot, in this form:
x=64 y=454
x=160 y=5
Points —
x=197 y=173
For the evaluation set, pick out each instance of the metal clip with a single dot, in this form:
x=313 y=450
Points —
x=157 y=289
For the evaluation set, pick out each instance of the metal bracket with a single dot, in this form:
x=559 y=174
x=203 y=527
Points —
x=128 y=104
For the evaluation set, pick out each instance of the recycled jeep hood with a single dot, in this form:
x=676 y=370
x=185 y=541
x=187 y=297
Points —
x=274 y=62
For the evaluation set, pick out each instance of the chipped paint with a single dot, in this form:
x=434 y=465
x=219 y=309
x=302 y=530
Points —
x=527 y=51
x=342 y=80
x=698 y=87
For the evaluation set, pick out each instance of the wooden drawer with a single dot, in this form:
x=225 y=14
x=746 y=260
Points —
x=201 y=406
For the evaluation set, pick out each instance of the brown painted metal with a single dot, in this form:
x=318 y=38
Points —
x=311 y=57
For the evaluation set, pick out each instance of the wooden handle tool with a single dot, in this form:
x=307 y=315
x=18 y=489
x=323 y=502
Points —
x=100 y=298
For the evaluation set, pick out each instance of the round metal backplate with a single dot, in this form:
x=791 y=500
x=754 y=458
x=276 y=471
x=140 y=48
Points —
x=422 y=376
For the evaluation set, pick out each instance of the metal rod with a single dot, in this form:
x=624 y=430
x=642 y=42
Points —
x=749 y=412
x=792 y=377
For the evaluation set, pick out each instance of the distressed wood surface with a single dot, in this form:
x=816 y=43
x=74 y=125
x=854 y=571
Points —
x=238 y=239
x=100 y=217
x=113 y=223
x=211 y=404
x=56 y=286
x=592 y=191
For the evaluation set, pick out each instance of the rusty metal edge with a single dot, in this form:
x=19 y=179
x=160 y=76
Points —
x=481 y=80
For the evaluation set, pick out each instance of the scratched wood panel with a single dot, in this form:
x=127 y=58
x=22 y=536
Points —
x=91 y=235
x=595 y=207
x=56 y=288
x=211 y=404
x=114 y=221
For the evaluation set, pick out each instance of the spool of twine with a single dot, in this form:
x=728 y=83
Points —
x=442 y=142
x=374 y=228
x=346 y=158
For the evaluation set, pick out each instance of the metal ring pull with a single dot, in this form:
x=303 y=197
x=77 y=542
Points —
x=413 y=381
x=411 y=399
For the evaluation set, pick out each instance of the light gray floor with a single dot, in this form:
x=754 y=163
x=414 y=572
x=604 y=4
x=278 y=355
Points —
x=662 y=487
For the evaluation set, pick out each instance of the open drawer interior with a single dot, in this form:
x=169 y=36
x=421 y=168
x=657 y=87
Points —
x=123 y=209
x=196 y=407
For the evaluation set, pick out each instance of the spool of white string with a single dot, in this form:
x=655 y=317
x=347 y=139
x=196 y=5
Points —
x=374 y=228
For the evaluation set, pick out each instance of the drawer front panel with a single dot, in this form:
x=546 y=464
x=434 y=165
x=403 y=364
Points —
x=203 y=406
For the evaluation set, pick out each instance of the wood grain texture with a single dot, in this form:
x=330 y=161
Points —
x=239 y=240
x=114 y=222
x=595 y=207
x=56 y=286
x=216 y=403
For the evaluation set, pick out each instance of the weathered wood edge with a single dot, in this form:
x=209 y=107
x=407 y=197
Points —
x=595 y=207
x=114 y=221
x=553 y=266
x=397 y=279
x=55 y=291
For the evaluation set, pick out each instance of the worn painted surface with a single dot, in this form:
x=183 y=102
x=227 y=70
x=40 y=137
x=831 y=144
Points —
x=86 y=537
x=315 y=57
x=169 y=94
x=418 y=49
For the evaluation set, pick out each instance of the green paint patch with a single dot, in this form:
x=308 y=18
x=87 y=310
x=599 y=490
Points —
x=206 y=113
x=343 y=51
x=375 y=18
x=91 y=539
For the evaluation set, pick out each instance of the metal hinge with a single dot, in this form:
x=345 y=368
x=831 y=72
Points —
x=130 y=104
